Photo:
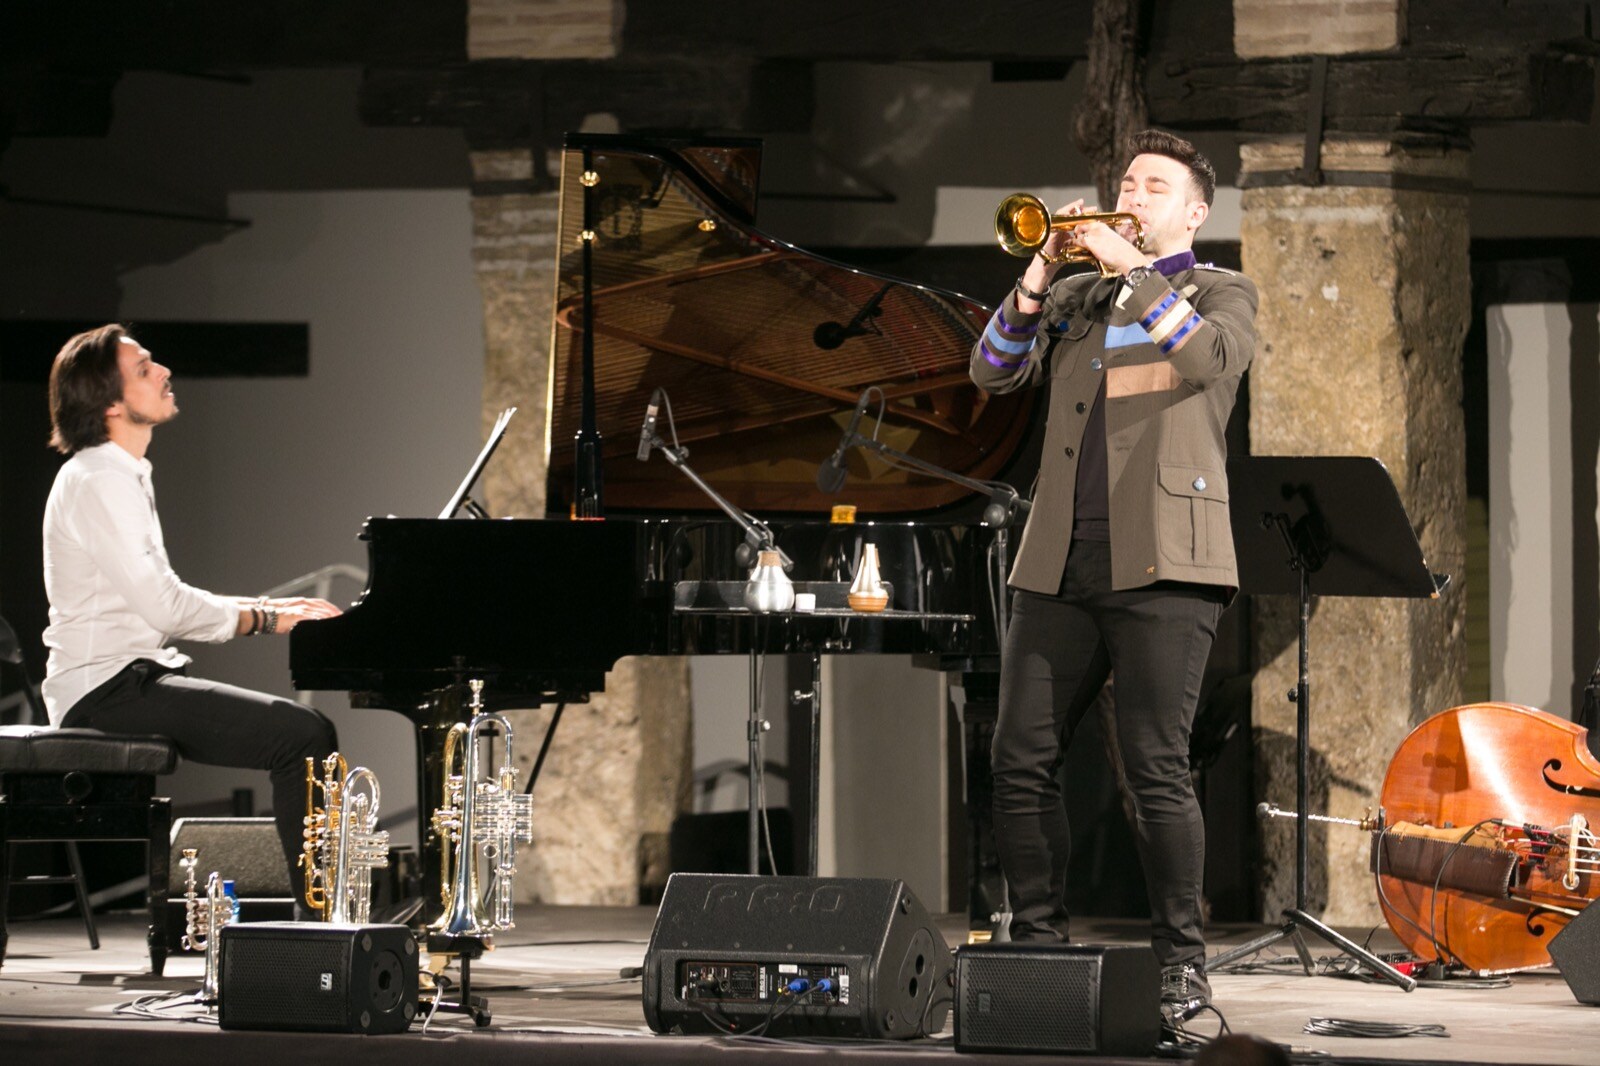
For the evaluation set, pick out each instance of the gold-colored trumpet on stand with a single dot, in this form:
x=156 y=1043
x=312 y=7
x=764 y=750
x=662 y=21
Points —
x=343 y=843
x=1022 y=225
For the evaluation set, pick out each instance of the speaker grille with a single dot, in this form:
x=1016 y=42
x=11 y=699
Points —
x=299 y=978
x=1014 y=1001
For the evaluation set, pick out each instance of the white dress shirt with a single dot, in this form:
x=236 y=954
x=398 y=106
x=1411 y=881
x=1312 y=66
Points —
x=113 y=595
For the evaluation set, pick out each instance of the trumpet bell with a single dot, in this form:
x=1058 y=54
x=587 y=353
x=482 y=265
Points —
x=1022 y=225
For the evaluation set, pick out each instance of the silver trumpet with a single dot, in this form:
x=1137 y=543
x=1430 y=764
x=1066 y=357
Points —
x=343 y=843
x=204 y=918
x=480 y=824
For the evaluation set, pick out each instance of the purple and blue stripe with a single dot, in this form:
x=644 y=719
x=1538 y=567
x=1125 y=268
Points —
x=1001 y=339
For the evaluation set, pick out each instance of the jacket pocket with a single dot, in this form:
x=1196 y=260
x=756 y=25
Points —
x=1192 y=515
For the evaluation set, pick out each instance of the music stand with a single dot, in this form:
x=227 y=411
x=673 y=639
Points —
x=1341 y=519
x=461 y=498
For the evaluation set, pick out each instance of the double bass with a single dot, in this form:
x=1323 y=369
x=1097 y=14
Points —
x=1489 y=845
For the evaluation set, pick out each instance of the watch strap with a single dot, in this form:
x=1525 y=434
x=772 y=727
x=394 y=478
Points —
x=1037 y=297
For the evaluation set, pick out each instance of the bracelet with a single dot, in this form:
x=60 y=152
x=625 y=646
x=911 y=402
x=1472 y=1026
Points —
x=1037 y=297
x=255 y=622
x=271 y=625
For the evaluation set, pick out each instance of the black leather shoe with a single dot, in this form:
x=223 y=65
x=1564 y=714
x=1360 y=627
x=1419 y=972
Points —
x=1185 y=991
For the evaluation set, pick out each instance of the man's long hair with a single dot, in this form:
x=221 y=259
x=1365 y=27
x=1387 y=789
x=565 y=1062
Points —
x=85 y=379
x=1202 y=175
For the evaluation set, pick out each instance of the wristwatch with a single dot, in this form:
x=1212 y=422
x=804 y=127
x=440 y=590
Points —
x=1137 y=276
x=1038 y=297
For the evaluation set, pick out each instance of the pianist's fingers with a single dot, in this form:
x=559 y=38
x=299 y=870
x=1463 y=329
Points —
x=310 y=607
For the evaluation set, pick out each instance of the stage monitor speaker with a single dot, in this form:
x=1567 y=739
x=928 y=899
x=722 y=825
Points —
x=725 y=949
x=1057 y=998
x=245 y=851
x=317 y=977
x=1576 y=952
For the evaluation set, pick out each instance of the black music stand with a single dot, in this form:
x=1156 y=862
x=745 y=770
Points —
x=1341 y=519
x=462 y=497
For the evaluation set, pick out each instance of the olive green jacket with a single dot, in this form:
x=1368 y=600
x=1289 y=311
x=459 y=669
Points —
x=1165 y=414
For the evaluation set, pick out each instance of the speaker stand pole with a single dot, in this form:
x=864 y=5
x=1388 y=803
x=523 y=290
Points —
x=814 y=697
x=753 y=771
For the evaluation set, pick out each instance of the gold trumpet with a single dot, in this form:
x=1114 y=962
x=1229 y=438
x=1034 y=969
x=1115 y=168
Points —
x=1022 y=225
x=343 y=843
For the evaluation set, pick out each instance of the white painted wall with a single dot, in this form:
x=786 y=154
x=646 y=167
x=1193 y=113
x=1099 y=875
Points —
x=1530 y=507
x=261 y=480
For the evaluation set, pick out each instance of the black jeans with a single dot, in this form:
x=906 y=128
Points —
x=220 y=725
x=1058 y=652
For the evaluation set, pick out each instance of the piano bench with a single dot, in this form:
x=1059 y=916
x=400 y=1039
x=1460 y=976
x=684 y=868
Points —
x=72 y=785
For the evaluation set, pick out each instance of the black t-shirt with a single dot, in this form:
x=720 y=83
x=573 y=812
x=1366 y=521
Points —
x=1091 y=503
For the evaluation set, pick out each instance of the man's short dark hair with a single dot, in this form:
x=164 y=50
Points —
x=85 y=379
x=1202 y=175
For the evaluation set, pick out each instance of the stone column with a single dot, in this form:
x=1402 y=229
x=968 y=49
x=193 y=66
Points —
x=1365 y=299
x=618 y=771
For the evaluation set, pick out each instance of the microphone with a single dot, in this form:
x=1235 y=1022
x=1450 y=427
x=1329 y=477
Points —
x=830 y=475
x=648 y=431
x=830 y=335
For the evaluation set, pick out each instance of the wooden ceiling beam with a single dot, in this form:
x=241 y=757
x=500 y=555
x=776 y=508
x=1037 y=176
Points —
x=504 y=103
x=1373 y=93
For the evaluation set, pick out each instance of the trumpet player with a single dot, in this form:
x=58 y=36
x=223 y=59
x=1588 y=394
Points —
x=1127 y=560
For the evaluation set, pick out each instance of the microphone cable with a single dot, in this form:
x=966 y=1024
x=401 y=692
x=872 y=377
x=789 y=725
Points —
x=1372 y=1030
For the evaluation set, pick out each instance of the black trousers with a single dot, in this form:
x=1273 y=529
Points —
x=220 y=725
x=1059 y=651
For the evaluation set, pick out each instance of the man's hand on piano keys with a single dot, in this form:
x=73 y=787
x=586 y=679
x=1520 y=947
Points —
x=294 y=610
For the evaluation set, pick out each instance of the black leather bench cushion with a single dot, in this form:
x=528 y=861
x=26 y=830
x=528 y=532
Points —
x=89 y=750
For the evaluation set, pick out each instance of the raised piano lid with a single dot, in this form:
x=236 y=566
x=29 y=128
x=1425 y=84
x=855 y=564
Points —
x=689 y=296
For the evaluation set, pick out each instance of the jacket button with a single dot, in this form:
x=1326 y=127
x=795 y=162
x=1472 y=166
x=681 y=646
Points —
x=1095 y=363
x=1069 y=452
x=1082 y=407
x=1199 y=484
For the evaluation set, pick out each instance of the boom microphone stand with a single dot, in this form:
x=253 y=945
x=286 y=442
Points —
x=1005 y=507
x=758 y=537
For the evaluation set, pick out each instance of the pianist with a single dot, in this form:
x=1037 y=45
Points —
x=115 y=602
x=1127 y=559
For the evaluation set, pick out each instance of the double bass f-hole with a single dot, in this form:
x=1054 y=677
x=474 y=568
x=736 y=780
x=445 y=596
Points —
x=1554 y=765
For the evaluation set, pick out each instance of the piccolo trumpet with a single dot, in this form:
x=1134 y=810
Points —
x=204 y=917
x=1022 y=225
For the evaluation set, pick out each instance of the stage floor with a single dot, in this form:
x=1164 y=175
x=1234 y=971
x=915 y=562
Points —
x=556 y=989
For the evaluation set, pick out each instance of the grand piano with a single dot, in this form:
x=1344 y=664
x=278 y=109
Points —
x=665 y=282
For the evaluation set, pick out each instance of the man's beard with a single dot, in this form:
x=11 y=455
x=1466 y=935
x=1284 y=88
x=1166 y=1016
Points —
x=138 y=418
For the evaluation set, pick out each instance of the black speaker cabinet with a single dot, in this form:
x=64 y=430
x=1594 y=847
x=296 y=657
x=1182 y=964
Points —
x=317 y=977
x=1057 y=998
x=1576 y=953
x=725 y=948
x=245 y=851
